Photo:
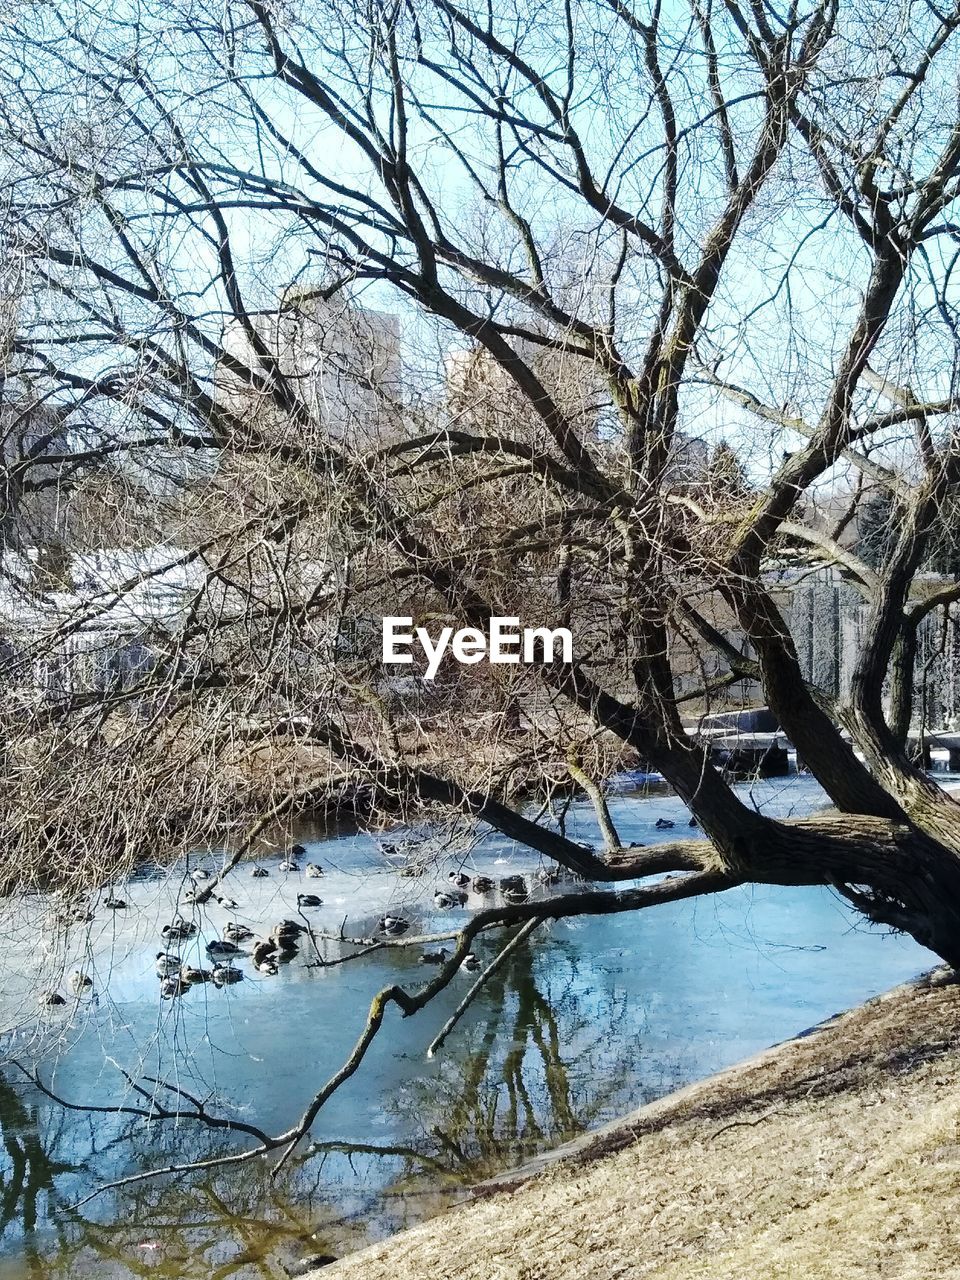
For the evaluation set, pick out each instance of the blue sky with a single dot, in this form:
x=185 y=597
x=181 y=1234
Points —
x=779 y=335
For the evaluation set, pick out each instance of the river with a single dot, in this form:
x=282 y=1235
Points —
x=592 y=1018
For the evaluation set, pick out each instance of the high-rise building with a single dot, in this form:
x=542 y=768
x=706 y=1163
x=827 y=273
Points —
x=341 y=361
x=481 y=394
x=31 y=437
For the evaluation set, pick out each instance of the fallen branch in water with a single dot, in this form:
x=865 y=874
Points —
x=501 y=958
x=155 y=1111
x=589 y=903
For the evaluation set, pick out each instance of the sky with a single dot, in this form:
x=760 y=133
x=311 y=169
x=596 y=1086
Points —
x=789 y=290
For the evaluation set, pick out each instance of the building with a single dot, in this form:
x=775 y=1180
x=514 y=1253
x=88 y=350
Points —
x=481 y=394
x=340 y=360
x=689 y=462
x=98 y=628
x=30 y=506
x=828 y=619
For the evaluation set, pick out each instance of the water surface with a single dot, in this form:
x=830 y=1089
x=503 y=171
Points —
x=592 y=1018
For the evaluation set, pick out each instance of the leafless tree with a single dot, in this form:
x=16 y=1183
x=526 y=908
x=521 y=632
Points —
x=601 y=228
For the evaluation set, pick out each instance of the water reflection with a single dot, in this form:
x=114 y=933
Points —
x=507 y=1092
x=511 y=1090
x=30 y=1136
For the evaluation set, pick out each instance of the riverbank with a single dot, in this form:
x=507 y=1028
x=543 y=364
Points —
x=834 y=1155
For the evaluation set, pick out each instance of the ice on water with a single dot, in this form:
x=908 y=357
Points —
x=362 y=879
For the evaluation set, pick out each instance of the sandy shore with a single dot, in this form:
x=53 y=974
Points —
x=835 y=1155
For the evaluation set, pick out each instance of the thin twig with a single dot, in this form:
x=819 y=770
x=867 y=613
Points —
x=516 y=941
x=745 y=1124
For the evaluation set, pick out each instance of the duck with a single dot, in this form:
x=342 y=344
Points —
x=79 y=982
x=263 y=950
x=228 y=904
x=443 y=900
x=664 y=824
x=285 y=948
x=289 y=929
x=297 y=851
x=269 y=968
x=483 y=884
x=114 y=904
x=221 y=947
x=167 y=963
x=459 y=879
x=470 y=962
x=513 y=882
x=693 y=822
x=258 y=873
x=200 y=876
x=309 y=900
x=236 y=932
x=393 y=925
x=178 y=929
x=50 y=999
x=313 y=871
x=434 y=957
x=82 y=916
x=193 y=977
x=289 y=864
x=514 y=889
x=224 y=974
x=172 y=986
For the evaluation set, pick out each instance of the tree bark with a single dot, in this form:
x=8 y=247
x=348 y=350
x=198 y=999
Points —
x=895 y=873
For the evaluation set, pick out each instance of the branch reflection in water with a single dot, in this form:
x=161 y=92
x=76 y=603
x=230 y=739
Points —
x=508 y=1084
x=517 y=1085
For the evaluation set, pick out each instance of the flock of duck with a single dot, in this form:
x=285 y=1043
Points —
x=278 y=947
x=281 y=943
x=176 y=975
x=513 y=889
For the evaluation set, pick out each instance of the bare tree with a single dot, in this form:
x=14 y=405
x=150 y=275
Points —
x=601 y=229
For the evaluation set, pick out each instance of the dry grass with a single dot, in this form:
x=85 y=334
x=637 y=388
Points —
x=834 y=1156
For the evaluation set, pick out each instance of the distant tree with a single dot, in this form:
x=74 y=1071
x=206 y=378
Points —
x=726 y=476
x=878 y=527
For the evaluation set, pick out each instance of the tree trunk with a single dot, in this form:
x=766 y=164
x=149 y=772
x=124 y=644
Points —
x=844 y=777
x=902 y=667
x=895 y=873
